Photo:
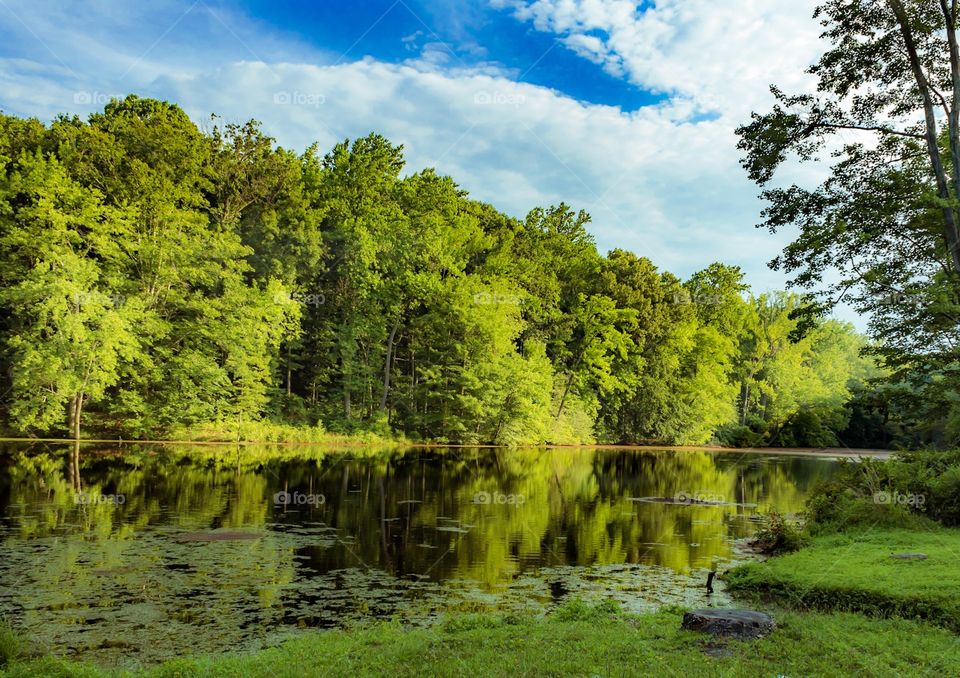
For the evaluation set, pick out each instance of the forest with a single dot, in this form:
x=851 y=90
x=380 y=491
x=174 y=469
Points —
x=158 y=278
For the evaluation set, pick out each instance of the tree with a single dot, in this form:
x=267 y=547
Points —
x=887 y=215
x=71 y=327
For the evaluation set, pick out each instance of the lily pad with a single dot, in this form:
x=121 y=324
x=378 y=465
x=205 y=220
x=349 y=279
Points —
x=226 y=535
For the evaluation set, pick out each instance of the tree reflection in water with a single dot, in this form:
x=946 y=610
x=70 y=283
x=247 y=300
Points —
x=195 y=552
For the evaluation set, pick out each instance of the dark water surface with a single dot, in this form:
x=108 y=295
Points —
x=136 y=554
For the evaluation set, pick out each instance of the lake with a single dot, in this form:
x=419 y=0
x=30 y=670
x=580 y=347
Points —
x=130 y=555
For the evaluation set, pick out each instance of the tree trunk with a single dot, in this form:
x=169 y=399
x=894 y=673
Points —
x=76 y=409
x=388 y=366
x=563 y=398
x=289 y=372
x=573 y=370
x=745 y=395
x=950 y=232
x=72 y=415
x=950 y=17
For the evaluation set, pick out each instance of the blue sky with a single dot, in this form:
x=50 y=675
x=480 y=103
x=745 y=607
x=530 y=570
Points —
x=626 y=110
x=470 y=33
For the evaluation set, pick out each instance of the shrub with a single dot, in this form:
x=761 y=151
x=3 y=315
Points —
x=870 y=492
x=737 y=435
x=777 y=535
x=944 y=497
x=809 y=427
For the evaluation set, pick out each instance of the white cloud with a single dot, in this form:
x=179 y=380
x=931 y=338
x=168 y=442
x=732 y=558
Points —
x=722 y=55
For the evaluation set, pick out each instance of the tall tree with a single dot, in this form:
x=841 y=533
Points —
x=71 y=327
x=887 y=215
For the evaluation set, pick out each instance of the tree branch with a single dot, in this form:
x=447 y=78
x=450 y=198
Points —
x=865 y=128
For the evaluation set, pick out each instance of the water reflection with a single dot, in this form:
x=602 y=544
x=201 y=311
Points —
x=143 y=552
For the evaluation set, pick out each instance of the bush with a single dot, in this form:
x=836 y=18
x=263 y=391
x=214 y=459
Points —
x=837 y=509
x=737 y=435
x=809 y=427
x=944 y=497
x=907 y=490
x=777 y=535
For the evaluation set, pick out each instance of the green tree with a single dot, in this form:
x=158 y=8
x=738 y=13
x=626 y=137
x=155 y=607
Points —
x=70 y=325
x=887 y=214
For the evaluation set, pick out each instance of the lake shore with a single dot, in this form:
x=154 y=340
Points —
x=358 y=441
x=910 y=573
x=842 y=606
x=576 y=640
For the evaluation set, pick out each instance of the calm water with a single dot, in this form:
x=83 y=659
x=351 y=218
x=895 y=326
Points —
x=135 y=554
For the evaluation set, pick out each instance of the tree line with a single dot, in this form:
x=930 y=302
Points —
x=157 y=277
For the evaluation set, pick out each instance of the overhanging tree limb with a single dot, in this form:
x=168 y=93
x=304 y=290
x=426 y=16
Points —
x=866 y=128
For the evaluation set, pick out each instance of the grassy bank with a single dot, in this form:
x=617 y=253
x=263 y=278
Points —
x=251 y=433
x=581 y=641
x=271 y=432
x=853 y=571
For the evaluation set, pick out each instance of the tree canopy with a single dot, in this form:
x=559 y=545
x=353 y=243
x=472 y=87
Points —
x=157 y=277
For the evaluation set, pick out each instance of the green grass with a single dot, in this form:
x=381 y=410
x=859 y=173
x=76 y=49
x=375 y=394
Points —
x=9 y=643
x=853 y=571
x=272 y=432
x=582 y=641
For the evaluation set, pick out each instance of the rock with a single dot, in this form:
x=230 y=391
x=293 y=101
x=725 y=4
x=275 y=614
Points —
x=909 y=556
x=739 y=624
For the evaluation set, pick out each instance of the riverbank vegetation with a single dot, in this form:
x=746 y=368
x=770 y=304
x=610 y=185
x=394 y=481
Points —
x=159 y=279
x=880 y=537
x=578 y=639
x=855 y=571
